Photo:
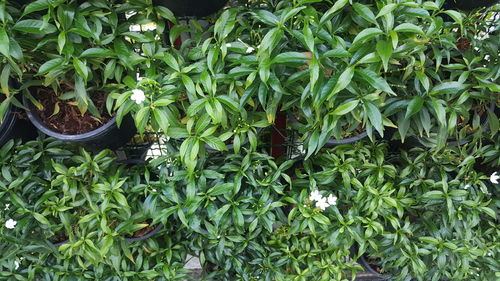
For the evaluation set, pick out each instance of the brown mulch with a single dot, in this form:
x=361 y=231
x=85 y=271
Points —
x=69 y=120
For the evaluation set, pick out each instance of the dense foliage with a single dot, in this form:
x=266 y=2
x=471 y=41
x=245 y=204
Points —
x=417 y=197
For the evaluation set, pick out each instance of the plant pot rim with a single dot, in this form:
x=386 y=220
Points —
x=333 y=141
x=158 y=227
x=34 y=117
x=455 y=143
x=6 y=124
x=366 y=265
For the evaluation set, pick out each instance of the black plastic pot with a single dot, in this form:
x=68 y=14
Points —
x=13 y=127
x=151 y=233
x=368 y=268
x=333 y=142
x=106 y=136
x=192 y=8
x=468 y=5
x=60 y=243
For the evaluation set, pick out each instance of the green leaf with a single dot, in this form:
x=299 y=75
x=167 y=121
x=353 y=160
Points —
x=449 y=87
x=345 y=108
x=344 y=80
x=414 y=106
x=51 y=65
x=339 y=4
x=365 y=35
x=120 y=198
x=36 y=6
x=81 y=68
x=374 y=80
x=221 y=189
x=215 y=143
x=220 y=212
x=364 y=12
x=375 y=117
x=386 y=9
x=171 y=61
x=493 y=122
x=196 y=106
x=4 y=43
x=408 y=27
x=41 y=218
x=428 y=239
x=313 y=143
x=229 y=102
x=34 y=26
x=266 y=17
x=384 y=50
x=321 y=219
x=161 y=117
x=166 y=13
x=433 y=195
x=97 y=52
x=456 y=16
x=290 y=57
x=489 y=212
x=440 y=111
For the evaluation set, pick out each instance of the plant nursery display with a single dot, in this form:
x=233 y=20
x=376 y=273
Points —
x=268 y=140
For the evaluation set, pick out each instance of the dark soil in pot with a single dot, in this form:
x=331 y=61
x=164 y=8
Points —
x=104 y=133
x=144 y=233
x=69 y=120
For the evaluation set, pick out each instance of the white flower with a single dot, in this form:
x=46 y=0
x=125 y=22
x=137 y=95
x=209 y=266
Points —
x=228 y=45
x=138 y=96
x=467 y=186
x=250 y=49
x=322 y=204
x=10 y=223
x=7 y=206
x=315 y=196
x=494 y=178
x=16 y=264
x=332 y=199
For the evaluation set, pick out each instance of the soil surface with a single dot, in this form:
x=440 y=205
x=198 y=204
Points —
x=142 y=232
x=69 y=120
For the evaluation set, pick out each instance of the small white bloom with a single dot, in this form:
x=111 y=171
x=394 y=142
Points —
x=332 y=199
x=467 y=186
x=7 y=206
x=315 y=196
x=249 y=50
x=228 y=45
x=135 y=28
x=322 y=204
x=490 y=254
x=16 y=264
x=10 y=223
x=494 y=178
x=138 y=96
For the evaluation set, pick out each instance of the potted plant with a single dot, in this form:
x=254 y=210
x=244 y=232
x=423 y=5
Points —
x=80 y=66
